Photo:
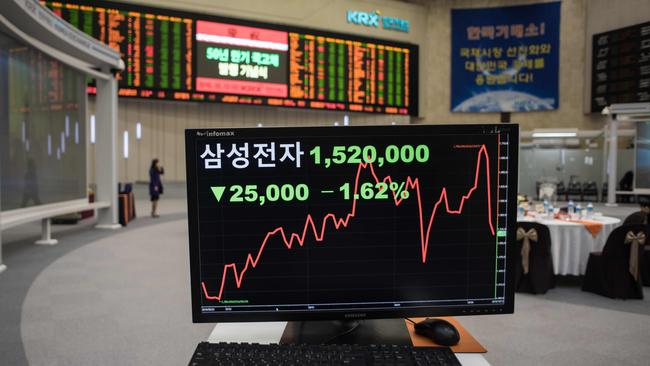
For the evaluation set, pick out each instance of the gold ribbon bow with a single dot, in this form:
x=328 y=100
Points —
x=527 y=237
x=635 y=241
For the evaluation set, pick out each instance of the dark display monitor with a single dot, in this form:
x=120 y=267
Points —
x=620 y=67
x=370 y=222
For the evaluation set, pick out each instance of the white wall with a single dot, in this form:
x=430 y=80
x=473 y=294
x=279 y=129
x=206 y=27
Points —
x=164 y=122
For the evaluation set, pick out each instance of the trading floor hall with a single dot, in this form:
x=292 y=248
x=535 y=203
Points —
x=101 y=298
x=345 y=182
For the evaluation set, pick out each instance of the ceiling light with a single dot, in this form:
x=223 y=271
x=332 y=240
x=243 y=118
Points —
x=554 y=134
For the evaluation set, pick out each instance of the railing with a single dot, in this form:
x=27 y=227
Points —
x=44 y=213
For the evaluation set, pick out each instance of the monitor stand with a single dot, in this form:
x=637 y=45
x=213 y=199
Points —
x=368 y=331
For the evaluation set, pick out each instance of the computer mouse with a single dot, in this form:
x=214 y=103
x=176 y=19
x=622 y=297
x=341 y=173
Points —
x=440 y=331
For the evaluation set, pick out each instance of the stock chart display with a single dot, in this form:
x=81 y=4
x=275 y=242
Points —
x=301 y=219
x=185 y=56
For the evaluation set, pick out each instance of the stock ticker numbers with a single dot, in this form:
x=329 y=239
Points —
x=355 y=154
x=295 y=197
x=251 y=193
x=332 y=72
x=196 y=57
x=156 y=48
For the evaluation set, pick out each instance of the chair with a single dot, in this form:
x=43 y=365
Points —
x=126 y=203
x=626 y=184
x=645 y=275
x=603 y=193
x=590 y=191
x=539 y=277
x=124 y=188
x=636 y=218
x=561 y=192
x=641 y=218
x=574 y=192
x=547 y=191
x=609 y=272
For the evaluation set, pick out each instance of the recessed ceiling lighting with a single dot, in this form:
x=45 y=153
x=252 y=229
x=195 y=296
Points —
x=554 y=134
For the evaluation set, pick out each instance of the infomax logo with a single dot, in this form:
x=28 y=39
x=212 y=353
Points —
x=376 y=20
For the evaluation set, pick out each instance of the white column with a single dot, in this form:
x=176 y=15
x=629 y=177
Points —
x=2 y=266
x=605 y=155
x=106 y=152
x=46 y=233
x=612 y=161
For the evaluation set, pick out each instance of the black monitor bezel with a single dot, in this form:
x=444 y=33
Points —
x=306 y=315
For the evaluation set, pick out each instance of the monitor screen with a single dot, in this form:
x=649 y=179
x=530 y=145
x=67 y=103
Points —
x=351 y=222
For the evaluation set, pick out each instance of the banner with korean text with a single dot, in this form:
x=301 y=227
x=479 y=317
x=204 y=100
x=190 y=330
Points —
x=505 y=59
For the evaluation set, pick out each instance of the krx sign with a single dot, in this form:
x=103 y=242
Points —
x=376 y=20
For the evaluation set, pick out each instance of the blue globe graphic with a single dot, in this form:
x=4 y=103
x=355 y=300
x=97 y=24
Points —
x=504 y=101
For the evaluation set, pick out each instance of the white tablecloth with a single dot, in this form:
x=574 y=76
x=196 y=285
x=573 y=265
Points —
x=571 y=242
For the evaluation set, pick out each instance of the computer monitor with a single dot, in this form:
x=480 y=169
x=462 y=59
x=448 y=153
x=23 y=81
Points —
x=318 y=223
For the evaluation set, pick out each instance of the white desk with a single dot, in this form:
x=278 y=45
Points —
x=270 y=332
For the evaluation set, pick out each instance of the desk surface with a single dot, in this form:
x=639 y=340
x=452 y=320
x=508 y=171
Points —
x=270 y=332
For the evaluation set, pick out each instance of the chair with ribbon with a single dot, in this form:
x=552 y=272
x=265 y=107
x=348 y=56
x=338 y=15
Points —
x=641 y=217
x=645 y=274
x=534 y=265
x=638 y=217
x=616 y=271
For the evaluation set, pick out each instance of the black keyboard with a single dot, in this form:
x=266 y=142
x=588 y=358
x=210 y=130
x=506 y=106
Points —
x=234 y=354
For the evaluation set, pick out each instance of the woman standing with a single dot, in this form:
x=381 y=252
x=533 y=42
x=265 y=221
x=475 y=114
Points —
x=155 y=185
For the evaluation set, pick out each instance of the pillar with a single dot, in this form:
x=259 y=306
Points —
x=612 y=160
x=106 y=151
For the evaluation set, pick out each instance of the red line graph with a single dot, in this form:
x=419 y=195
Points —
x=310 y=224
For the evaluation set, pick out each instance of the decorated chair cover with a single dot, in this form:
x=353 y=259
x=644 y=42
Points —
x=534 y=263
x=616 y=272
x=638 y=217
x=645 y=268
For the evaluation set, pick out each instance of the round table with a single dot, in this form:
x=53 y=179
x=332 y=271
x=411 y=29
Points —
x=571 y=242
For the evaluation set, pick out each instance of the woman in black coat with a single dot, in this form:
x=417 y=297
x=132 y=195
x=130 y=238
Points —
x=155 y=185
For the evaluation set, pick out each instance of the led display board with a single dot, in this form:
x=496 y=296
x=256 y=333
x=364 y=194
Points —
x=184 y=56
x=620 y=71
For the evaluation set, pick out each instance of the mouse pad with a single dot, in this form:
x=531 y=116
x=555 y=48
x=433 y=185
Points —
x=467 y=344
